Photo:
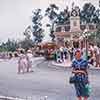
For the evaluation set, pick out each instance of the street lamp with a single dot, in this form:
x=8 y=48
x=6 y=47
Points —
x=85 y=35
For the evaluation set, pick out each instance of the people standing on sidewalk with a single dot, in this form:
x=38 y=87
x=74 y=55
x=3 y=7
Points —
x=59 y=59
x=80 y=67
x=91 y=56
x=65 y=51
x=56 y=54
x=71 y=53
x=30 y=60
x=22 y=62
x=97 y=54
x=62 y=53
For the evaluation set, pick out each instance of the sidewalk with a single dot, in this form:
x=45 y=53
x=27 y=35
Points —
x=64 y=64
x=38 y=58
x=67 y=64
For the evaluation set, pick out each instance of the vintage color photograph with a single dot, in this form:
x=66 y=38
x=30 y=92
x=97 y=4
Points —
x=49 y=49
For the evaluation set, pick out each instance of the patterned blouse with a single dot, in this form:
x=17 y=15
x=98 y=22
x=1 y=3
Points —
x=80 y=65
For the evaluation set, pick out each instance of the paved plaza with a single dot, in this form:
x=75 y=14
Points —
x=47 y=82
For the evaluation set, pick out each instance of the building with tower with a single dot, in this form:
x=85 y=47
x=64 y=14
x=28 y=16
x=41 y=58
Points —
x=71 y=32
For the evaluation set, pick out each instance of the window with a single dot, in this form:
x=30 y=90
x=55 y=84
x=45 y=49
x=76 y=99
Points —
x=58 y=29
x=74 y=23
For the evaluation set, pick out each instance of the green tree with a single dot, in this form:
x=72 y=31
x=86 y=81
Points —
x=63 y=17
x=60 y=18
x=95 y=36
x=98 y=34
x=51 y=12
x=27 y=33
x=26 y=44
x=88 y=14
x=10 y=45
x=37 y=30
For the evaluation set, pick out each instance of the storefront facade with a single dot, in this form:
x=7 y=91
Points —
x=71 y=32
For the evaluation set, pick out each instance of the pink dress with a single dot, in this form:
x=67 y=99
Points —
x=30 y=60
x=22 y=63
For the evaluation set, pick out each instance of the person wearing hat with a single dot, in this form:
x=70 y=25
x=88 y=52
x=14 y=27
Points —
x=80 y=67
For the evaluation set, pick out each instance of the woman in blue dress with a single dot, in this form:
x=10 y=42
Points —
x=80 y=67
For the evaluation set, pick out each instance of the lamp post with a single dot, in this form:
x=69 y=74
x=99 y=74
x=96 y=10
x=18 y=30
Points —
x=85 y=35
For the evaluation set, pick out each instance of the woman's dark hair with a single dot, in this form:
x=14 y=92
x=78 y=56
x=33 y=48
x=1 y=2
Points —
x=78 y=51
x=16 y=55
x=22 y=51
x=10 y=55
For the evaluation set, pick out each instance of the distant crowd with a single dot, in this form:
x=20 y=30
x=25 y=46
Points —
x=92 y=54
x=25 y=59
x=60 y=55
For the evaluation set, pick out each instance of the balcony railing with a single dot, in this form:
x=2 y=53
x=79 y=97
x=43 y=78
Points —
x=66 y=28
x=62 y=28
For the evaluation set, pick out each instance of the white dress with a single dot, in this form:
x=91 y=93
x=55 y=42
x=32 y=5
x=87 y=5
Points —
x=23 y=63
x=30 y=59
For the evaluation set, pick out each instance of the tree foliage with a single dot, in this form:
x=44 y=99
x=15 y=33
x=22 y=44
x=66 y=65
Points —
x=27 y=33
x=26 y=44
x=63 y=17
x=88 y=14
x=10 y=45
x=37 y=30
x=51 y=12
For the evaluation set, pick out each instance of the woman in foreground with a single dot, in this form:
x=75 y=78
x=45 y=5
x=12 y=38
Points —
x=80 y=67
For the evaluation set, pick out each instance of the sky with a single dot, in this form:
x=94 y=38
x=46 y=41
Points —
x=15 y=15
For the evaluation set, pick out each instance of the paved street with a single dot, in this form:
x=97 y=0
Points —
x=46 y=80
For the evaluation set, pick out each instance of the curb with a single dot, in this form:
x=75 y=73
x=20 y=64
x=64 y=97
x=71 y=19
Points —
x=59 y=65
x=38 y=58
x=9 y=98
x=69 y=65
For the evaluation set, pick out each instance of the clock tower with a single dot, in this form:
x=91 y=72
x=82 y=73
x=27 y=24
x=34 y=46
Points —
x=75 y=20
